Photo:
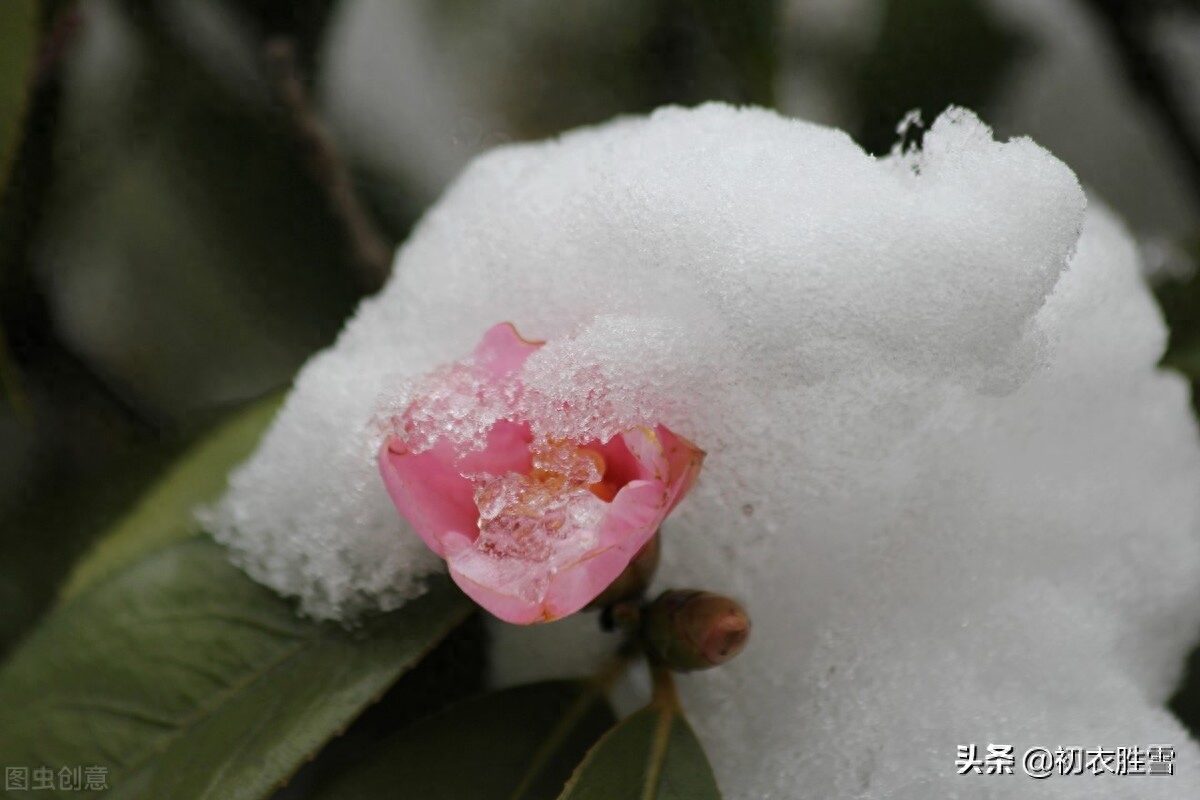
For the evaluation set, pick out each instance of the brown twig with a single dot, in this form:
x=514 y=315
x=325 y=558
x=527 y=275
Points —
x=1129 y=25
x=369 y=248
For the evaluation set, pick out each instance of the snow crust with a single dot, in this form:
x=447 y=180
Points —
x=944 y=473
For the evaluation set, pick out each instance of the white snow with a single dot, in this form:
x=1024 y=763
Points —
x=944 y=474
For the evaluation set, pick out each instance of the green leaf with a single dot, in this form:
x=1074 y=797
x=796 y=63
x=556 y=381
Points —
x=186 y=679
x=452 y=672
x=1179 y=297
x=652 y=755
x=517 y=744
x=164 y=515
x=186 y=202
x=18 y=46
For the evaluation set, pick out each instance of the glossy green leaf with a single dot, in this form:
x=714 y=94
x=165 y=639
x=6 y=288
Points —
x=165 y=514
x=517 y=744
x=18 y=46
x=652 y=755
x=186 y=679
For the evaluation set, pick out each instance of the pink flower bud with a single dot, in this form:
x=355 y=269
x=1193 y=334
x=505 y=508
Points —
x=533 y=529
x=687 y=630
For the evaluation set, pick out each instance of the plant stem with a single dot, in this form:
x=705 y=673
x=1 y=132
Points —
x=370 y=249
x=665 y=695
x=614 y=668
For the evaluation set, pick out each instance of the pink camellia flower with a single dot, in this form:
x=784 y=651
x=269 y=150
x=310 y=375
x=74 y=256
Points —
x=532 y=528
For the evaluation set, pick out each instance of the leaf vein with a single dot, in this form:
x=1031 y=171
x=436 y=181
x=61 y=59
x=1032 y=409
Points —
x=658 y=752
x=557 y=737
x=204 y=712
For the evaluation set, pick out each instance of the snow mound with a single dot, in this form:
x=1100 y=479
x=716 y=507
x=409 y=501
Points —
x=944 y=473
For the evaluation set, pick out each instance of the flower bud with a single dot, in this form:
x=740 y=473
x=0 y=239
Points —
x=636 y=578
x=687 y=629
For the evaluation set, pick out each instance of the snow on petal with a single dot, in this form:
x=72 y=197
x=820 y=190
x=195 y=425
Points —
x=533 y=530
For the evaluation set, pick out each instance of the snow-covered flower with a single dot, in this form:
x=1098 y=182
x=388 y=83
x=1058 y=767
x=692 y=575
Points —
x=533 y=529
x=944 y=473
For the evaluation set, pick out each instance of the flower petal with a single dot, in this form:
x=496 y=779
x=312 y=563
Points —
x=647 y=450
x=526 y=591
x=684 y=461
x=508 y=607
x=636 y=512
x=620 y=466
x=431 y=490
x=529 y=540
x=428 y=491
x=503 y=351
x=663 y=455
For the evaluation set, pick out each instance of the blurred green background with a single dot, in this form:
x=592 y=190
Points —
x=195 y=193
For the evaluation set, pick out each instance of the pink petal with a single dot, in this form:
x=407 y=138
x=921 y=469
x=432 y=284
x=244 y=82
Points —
x=507 y=607
x=503 y=351
x=636 y=512
x=430 y=489
x=647 y=450
x=667 y=465
x=684 y=461
x=662 y=455
x=620 y=465
x=507 y=450
x=537 y=571
x=524 y=592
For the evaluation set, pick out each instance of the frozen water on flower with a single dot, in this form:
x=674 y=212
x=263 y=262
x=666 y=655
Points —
x=457 y=402
x=531 y=526
x=944 y=473
x=538 y=521
x=573 y=464
x=529 y=529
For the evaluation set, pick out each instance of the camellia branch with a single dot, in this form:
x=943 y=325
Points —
x=1129 y=26
x=665 y=695
x=370 y=248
